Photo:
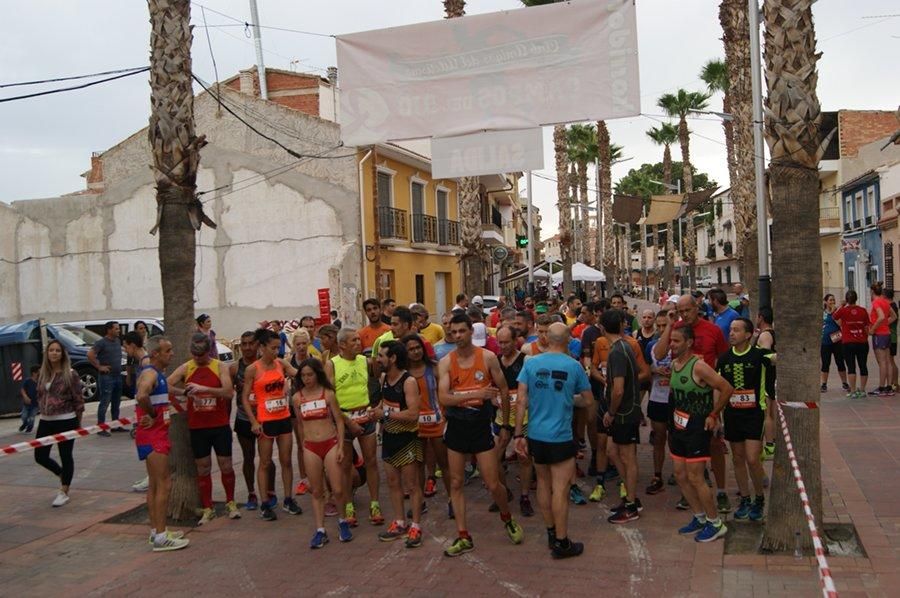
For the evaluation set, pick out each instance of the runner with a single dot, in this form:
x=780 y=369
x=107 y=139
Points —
x=525 y=325
x=323 y=445
x=152 y=441
x=550 y=385
x=831 y=344
x=694 y=418
x=573 y=304
x=401 y=449
x=723 y=315
x=401 y=325
x=540 y=344
x=207 y=389
x=765 y=339
x=469 y=379
x=376 y=326
x=299 y=353
x=881 y=317
x=431 y=419
x=327 y=334
x=745 y=369
x=854 y=321
x=446 y=345
x=511 y=362
x=387 y=310
x=271 y=420
x=133 y=344
x=431 y=332
x=348 y=372
x=658 y=408
x=246 y=437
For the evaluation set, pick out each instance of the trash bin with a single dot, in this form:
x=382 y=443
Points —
x=18 y=352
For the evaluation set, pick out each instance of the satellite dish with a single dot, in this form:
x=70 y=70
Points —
x=499 y=253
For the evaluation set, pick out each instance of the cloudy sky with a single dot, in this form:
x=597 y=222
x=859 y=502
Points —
x=46 y=142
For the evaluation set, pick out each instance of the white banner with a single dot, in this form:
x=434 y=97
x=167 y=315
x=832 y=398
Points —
x=567 y=62
x=494 y=152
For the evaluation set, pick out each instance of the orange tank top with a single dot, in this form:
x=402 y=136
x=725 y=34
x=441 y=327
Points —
x=472 y=378
x=269 y=388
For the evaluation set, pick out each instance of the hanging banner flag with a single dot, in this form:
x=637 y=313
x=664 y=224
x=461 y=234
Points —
x=518 y=69
x=493 y=152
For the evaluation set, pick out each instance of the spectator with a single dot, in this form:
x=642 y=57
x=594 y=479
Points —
x=29 y=400
x=106 y=357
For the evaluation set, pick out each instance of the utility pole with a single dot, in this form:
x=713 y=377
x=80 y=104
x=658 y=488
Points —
x=762 y=221
x=257 y=43
x=530 y=248
x=376 y=229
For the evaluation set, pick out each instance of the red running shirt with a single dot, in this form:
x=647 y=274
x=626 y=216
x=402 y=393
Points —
x=885 y=306
x=854 y=322
x=709 y=342
x=205 y=410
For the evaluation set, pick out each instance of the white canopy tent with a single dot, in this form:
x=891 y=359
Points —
x=582 y=272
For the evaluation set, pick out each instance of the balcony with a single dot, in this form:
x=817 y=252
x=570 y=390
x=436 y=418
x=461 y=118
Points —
x=711 y=252
x=728 y=249
x=392 y=224
x=492 y=226
x=870 y=220
x=424 y=229
x=448 y=232
x=830 y=220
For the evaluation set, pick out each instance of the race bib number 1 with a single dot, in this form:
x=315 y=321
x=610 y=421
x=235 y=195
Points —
x=313 y=409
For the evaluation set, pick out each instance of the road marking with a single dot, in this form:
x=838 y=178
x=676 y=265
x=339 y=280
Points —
x=639 y=555
x=487 y=571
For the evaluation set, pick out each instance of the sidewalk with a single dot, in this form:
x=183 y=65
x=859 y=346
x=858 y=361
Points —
x=45 y=550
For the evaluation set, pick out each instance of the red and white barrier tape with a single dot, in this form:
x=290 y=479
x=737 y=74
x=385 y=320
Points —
x=21 y=447
x=828 y=587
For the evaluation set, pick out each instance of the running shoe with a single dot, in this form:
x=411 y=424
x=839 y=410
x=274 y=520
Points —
x=888 y=391
x=525 y=506
x=682 y=504
x=170 y=543
x=823 y=388
x=722 y=503
x=344 y=534
x=141 y=485
x=672 y=481
x=105 y=434
x=514 y=531
x=350 y=514
x=395 y=531
x=289 y=505
x=757 y=509
x=268 y=514
x=302 y=488
x=331 y=509
x=711 y=531
x=177 y=535
x=271 y=502
x=438 y=473
x=459 y=546
x=624 y=505
x=375 y=516
x=61 y=499
x=769 y=451
x=252 y=503
x=569 y=550
x=656 y=486
x=206 y=516
x=692 y=527
x=414 y=537
x=845 y=386
x=232 y=509
x=450 y=513
x=430 y=487
x=471 y=472
x=743 y=510
x=551 y=538
x=319 y=539
x=622 y=491
x=626 y=515
x=576 y=495
x=597 y=494
x=876 y=393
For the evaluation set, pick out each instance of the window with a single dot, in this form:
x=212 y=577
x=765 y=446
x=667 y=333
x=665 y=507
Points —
x=871 y=204
x=851 y=278
x=727 y=274
x=418 y=197
x=848 y=210
x=420 y=288
x=889 y=265
x=441 y=209
x=860 y=210
x=385 y=190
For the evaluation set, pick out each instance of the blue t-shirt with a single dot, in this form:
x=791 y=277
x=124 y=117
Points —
x=553 y=380
x=829 y=327
x=30 y=388
x=442 y=349
x=724 y=320
x=282 y=348
x=575 y=348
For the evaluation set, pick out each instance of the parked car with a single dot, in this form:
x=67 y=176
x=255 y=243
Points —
x=155 y=327
x=490 y=302
x=705 y=282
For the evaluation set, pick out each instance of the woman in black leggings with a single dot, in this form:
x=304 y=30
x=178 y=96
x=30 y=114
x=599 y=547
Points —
x=61 y=404
x=831 y=344
x=854 y=322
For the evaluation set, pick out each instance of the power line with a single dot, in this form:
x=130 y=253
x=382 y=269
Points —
x=74 y=87
x=72 y=78
x=246 y=25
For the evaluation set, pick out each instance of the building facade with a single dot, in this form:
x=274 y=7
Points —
x=717 y=263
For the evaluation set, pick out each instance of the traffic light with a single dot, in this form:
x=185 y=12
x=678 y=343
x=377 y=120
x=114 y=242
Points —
x=521 y=240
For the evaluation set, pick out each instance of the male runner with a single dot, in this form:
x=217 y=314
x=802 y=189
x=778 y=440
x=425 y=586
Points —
x=525 y=324
x=550 y=385
x=375 y=328
x=468 y=380
x=746 y=369
x=152 y=440
x=206 y=384
x=694 y=418
x=431 y=332
x=658 y=408
x=765 y=339
x=540 y=344
x=387 y=310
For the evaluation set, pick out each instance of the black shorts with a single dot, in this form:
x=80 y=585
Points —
x=625 y=433
x=689 y=445
x=205 y=440
x=893 y=349
x=601 y=411
x=549 y=453
x=271 y=429
x=401 y=449
x=659 y=412
x=242 y=428
x=468 y=436
x=744 y=426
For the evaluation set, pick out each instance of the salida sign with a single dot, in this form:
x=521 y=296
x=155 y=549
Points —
x=493 y=152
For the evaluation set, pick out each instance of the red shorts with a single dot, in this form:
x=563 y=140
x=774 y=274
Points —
x=320 y=448
x=155 y=439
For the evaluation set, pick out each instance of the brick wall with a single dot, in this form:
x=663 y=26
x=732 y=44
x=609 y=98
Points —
x=859 y=127
x=281 y=84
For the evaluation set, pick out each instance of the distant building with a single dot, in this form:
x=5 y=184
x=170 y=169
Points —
x=552 y=250
x=717 y=244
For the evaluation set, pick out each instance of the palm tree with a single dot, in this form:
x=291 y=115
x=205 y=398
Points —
x=604 y=183
x=734 y=18
x=793 y=116
x=176 y=156
x=665 y=135
x=472 y=257
x=715 y=74
x=679 y=105
x=583 y=150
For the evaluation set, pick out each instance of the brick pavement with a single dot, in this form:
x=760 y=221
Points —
x=45 y=550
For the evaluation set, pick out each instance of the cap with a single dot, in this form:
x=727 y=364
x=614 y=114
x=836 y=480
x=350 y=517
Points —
x=479 y=334
x=477 y=300
x=673 y=299
x=541 y=308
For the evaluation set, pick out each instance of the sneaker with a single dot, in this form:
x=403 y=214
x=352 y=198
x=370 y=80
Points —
x=743 y=510
x=757 y=510
x=61 y=499
x=823 y=388
x=471 y=472
x=459 y=546
x=344 y=534
x=691 y=528
x=331 y=509
x=551 y=538
x=252 y=503
x=626 y=515
x=430 y=487
x=350 y=514
x=656 y=486
x=672 y=481
x=888 y=392
x=576 y=495
x=845 y=386
x=319 y=540
x=624 y=505
x=106 y=434
x=722 y=503
x=176 y=535
x=851 y=394
x=289 y=505
x=860 y=394
x=232 y=509
x=302 y=488
x=597 y=494
x=710 y=532
x=268 y=514
x=22 y=428
x=271 y=502
x=875 y=393
x=394 y=532
x=141 y=485
x=450 y=513
x=206 y=516
x=768 y=451
x=563 y=552
x=682 y=504
x=622 y=491
x=414 y=537
x=514 y=531
x=170 y=543
x=525 y=507
x=438 y=473
x=375 y=516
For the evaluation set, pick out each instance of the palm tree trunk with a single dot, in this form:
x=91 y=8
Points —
x=176 y=157
x=563 y=205
x=670 y=235
x=609 y=241
x=584 y=235
x=644 y=260
x=690 y=237
x=576 y=213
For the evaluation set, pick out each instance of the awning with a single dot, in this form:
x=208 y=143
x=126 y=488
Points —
x=627 y=209
x=582 y=272
x=695 y=199
x=539 y=272
x=663 y=208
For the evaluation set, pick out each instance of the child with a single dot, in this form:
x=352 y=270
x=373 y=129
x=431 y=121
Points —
x=29 y=400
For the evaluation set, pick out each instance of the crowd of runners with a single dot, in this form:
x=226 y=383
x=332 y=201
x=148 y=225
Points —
x=520 y=397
